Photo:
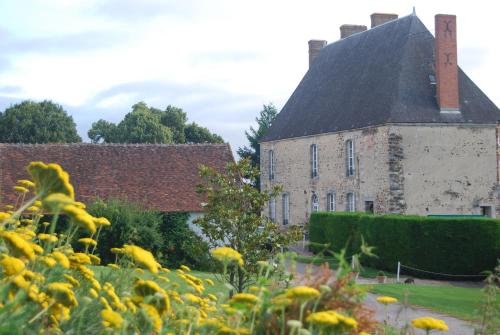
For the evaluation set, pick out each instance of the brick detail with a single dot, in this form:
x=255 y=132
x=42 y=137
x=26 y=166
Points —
x=446 y=62
x=315 y=47
x=380 y=18
x=397 y=203
x=159 y=176
x=347 y=30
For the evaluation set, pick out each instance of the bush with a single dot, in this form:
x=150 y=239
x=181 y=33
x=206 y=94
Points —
x=446 y=245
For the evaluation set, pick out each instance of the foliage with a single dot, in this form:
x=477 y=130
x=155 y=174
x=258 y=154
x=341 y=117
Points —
x=233 y=217
x=490 y=305
x=445 y=245
x=264 y=122
x=151 y=125
x=37 y=122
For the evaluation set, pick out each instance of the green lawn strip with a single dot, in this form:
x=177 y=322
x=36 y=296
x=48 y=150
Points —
x=459 y=302
x=366 y=271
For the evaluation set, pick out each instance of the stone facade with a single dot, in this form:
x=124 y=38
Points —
x=408 y=169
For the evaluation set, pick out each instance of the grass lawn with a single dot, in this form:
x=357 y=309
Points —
x=459 y=302
x=366 y=272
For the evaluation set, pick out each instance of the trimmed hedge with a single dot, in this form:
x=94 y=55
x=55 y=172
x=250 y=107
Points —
x=446 y=245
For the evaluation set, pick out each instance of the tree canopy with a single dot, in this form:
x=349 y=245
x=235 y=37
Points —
x=264 y=122
x=37 y=122
x=152 y=125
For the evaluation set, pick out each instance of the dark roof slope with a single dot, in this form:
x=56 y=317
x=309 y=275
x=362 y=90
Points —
x=160 y=176
x=374 y=77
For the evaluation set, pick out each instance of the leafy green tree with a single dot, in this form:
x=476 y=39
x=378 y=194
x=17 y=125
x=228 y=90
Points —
x=151 y=125
x=233 y=218
x=37 y=122
x=252 y=152
x=197 y=134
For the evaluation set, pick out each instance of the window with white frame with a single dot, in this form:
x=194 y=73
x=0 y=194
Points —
x=271 y=164
x=350 y=202
x=286 y=208
x=330 y=202
x=272 y=209
x=314 y=160
x=315 y=203
x=350 y=162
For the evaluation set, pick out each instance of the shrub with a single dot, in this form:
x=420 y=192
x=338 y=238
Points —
x=446 y=245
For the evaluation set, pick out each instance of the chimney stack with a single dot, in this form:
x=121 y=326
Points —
x=379 y=18
x=446 y=63
x=315 y=47
x=347 y=30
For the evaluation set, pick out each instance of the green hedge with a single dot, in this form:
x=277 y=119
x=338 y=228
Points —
x=446 y=245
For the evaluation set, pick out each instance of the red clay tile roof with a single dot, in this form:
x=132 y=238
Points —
x=160 y=176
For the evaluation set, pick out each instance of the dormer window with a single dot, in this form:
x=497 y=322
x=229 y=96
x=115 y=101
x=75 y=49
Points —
x=314 y=160
x=350 y=163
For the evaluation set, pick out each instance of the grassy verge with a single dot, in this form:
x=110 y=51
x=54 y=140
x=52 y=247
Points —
x=366 y=272
x=459 y=302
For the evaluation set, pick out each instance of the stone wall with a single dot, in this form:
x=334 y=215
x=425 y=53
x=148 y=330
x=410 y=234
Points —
x=407 y=169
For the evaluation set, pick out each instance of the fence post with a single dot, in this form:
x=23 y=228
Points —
x=399 y=269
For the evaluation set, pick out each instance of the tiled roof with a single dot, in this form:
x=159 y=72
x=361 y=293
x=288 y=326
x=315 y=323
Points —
x=375 y=77
x=159 y=176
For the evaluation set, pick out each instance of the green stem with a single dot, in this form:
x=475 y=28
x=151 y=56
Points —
x=97 y=238
x=283 y=321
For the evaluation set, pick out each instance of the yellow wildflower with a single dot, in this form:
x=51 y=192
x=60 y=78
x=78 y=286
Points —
x=50 y=178
x=139 y=270
x=142 y=257
x=428 y=323
x=153 y=316
x=113 y=266
x=105 y=303
x=9 y=207
x=347 y=321
x=79 y=258
x=93 y=293
x=49 y=261
x=59 y=312
x=227 y=255
x=26 y=233
x=56 y=201
x=212 y=297
x=4 y=216
x=185 y=268
x=323 y=319
x=87 y=241
x=302 y=293
x=387 y=300
x=117 y=250
x=280 y=301
x=130 y=305
x=26 y=183
x=33 y=276
x=164 y=279
x=209 y=281
x=33 y=209
x=94 y=259
x=21 y=189
x=81 y=217
x=36 y=248
x=47 y=237
x=62 y=293
x=146 y=287
x=244 y=298
x=72 y=280
x=12 y=266
x=17 y=245
x=80 y=204
x=111 y=319
x=102 y=221
x=61 y=259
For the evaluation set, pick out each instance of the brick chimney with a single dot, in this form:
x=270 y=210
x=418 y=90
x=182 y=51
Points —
x=379 y=18
x=349 y=29
x=446 y=63
x=315 y=47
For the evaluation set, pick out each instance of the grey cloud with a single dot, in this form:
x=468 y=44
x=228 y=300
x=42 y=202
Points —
x=133 y=10
x=225 y=56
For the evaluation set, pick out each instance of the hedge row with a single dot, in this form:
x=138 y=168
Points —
x=446 y=245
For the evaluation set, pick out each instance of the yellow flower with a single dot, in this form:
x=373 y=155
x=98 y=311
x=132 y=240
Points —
x=49 y=261
x=93 y=293
x=323 y=319
x=79 y=258
x=80 y=204
x=280 y=301
x=428 y=323
x=212 y=297
x=302 y=293
x=81 y=217
x=36 y=248
x=387 y=300
x=185 y=268
x=12 y=266
x=33 y=209
x=26 y=183
x=50 y=178
x=62 y=293
x=4 y=216
x=144 y=288
x=142 y=257
x=347 y=321
x=102 y=221
x=244 y=298
x=26 y=233
x=105 y=303
x=113 y=266
x=193 y=299
x=59 y=312
x=87 y=241
x=9 y=207
x=111 y=319
x=47 y=237
x=56 y=201
x=364 y=333
x=21 y=189
x=17 y=245
x=117 y=250
x=94 y=259
x=227 y=255
x=209 y=281
x=153 y=316
x=61 y=259
x=72 y=280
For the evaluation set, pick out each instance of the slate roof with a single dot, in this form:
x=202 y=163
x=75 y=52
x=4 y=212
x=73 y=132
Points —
x=375 y=77
x=160 y=176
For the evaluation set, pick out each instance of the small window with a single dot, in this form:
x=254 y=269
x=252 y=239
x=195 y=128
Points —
x=350 y=164
x=286 y=208
x=315 y=203
x=271 y=164
x=350 y=202
x=272 y=209
x=487 y=211
x=369 y=207
x=314 y=160
x=330 y=202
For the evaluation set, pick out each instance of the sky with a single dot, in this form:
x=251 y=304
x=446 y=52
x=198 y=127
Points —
x=219 y=60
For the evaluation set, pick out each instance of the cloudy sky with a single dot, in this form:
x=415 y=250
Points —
x=219 y=60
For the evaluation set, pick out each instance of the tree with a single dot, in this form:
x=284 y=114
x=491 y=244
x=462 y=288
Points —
x=37 y=122
x=233 y=218
x=264 y=122
x=196 y=134
x=152 y=125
